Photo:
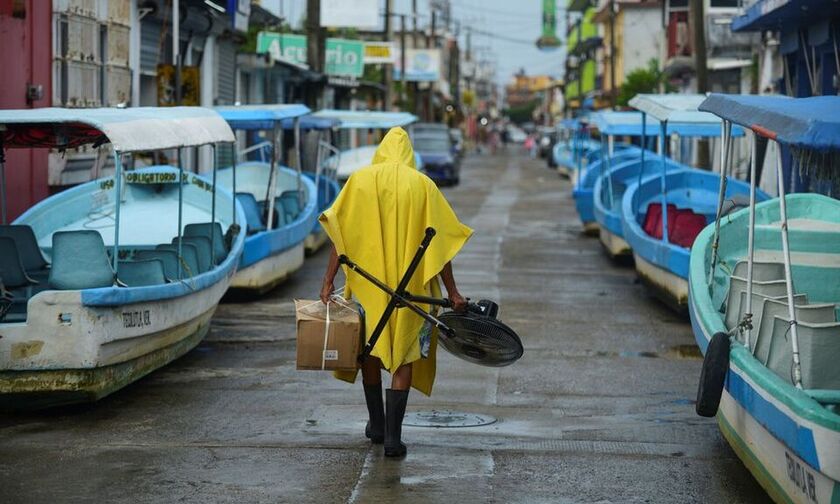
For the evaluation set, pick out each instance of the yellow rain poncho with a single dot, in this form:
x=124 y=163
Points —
x=378 y=221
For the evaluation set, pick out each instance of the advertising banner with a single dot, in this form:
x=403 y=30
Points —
x=379 y=52
x=343 y=57
x=422 y=65
x=361 y=14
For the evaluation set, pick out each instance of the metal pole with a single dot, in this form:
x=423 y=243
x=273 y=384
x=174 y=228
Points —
x=2 y=178
x=663 y=127
x=610 y=150
x=233 y=185
x=212 y=210
x=269 y=196
x=117 y=204
x=297 y=159
x=402 y=61
x=794 y=335
x=181 y=211
x=751 y=239
x=642 y=168
x=726 y=143
x=176 y=48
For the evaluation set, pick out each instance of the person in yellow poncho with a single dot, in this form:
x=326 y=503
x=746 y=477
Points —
x=378 y=221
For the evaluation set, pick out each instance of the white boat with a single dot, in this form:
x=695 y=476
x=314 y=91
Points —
x=357 y=157
x=83 y=325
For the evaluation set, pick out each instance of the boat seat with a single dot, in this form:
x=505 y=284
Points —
x=777 y=309
x=142 y=273
x=169 y=258
x=218 y=239
x=189 y=257
x=11 y=266
x=759 y=303
x=253 y=214
x=762 y=271
x=738 y=285
x=79 y=261
x=288 y=205
x=202 y=249
x=819 y=345
x=33 y=261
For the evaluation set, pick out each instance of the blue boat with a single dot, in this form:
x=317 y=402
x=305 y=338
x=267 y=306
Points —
x=319 y=162
x=112 y=279
x=370 y=122
x=661 y=242
x=763 y=306
x=584 y=185
x=615 y=172
x=280 y=204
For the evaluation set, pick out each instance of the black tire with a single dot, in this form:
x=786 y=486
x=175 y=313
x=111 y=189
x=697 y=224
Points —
x=713 y=375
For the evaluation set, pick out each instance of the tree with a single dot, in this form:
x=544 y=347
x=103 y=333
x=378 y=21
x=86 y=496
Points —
x=643 y=80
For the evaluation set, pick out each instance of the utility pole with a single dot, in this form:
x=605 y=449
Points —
x=613 y=86
x=701 y=71
x=315 y=44
x=432 y=43
x=402 y=62
x=176 y=49
x=387 y=69
x=415 y=44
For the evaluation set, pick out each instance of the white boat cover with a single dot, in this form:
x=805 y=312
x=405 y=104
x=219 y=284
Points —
x=360 y=119
x=127 y=129
x=681 y=108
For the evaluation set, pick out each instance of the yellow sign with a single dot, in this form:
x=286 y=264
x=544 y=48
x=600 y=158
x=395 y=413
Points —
x=379 y=52
x=190 y=86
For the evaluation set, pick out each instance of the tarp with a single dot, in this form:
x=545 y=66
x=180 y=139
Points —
x=360 y=119
x=775 y=15
x=630 y=124
x=812 y=123
x=260 y=117
x=127 y=129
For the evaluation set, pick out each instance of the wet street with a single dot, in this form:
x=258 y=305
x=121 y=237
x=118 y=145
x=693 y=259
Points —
x=599 y=409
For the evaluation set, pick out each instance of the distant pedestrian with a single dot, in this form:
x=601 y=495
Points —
x=380 y=214
x=531 y=146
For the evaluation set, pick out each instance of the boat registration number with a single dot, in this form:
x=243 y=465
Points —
x=801 y=477
x=139 y=318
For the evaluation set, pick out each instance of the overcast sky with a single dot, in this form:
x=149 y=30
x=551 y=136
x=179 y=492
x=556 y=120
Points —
x=516 y=26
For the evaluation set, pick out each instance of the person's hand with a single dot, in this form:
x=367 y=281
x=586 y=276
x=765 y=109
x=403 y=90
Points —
x=459 y=302
x=327 y=292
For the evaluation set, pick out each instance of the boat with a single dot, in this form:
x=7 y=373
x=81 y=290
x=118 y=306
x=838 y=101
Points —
x=280 y=204
x=372 y=122
x=83 y=322
x=584 y=185
x=763 y=306
x=320 y=160
x=614 y=173
x=661 y=216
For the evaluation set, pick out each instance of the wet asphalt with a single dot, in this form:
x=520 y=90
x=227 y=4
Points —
x=600 y=408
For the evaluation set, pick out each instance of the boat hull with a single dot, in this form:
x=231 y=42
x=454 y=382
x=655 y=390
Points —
x=667 y=286
x=314 y=242
x=615 y=245
x=269 y=272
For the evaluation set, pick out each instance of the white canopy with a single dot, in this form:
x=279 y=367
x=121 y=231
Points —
x=674 y=107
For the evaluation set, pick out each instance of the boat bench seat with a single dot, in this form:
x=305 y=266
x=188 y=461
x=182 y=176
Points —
x=253 y=212
x=207 y=229
x=819 y=345
x=738 y=286
x=140 y=273
x=189 y=257
x=202 y=248
x=762 y=271
x=79 y=261
x=36 y=267
x=288 y=205
x=764 y=321
x=168 y=258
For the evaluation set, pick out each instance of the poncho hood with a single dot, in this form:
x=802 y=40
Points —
x=378 y=221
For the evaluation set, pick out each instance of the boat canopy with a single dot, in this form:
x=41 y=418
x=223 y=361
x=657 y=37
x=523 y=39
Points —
x=773 y=15
x=366 y=119
x=311 y=122
x=810 y=123
x=683 y=109
x=127 y=129
x=630 y=124
x=260 y=117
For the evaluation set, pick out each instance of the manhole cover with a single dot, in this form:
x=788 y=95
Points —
x=447 y=418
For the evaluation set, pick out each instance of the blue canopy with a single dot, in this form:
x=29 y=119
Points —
x=682 y=114
x=363 y=119
x=127 y=129
x=311 y=122
x=812 y=123
x=260 y=117
x=775 y=15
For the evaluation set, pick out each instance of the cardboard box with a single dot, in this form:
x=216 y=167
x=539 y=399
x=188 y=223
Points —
x=323 y=348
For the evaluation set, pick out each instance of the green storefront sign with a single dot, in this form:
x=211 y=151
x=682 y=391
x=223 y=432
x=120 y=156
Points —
x=343 y=57
x=548 y=39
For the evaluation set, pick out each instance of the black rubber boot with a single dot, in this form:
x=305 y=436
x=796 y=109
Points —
x=394 y=413
x=375 y=428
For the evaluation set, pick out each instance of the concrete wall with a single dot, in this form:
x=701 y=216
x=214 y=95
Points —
x=642 y=38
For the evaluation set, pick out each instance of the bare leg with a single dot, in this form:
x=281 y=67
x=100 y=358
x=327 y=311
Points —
x=402 y=378
x=372 y=371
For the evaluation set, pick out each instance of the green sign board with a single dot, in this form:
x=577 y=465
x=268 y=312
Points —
x=343 y=57
x=548 y=39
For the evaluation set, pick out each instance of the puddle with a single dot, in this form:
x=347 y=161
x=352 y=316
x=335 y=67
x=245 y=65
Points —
x=685 y=352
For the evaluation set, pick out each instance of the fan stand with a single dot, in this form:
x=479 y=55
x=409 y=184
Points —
x=400 y=298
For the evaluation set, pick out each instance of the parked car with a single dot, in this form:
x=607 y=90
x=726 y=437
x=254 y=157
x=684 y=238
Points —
x=516 y=135
x=547 y=139
x=439 y=161
x=427 y=127
x=457 y=137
